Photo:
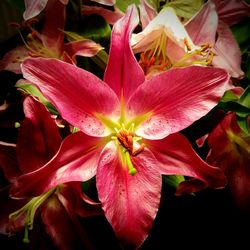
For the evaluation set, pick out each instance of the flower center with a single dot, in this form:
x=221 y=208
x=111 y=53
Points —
x=155 y=56
x=127 y=140
x=28 y=212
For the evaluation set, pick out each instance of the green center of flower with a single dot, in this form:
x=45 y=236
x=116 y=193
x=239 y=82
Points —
x=28 y=212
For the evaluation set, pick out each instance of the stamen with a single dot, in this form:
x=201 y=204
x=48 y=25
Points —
x=30 y=209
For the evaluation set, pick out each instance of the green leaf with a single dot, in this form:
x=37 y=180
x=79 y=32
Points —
x=244 y=124
x=17 y=4
x=229 y=96
x=123 y=4
x=234 y=107
x=173 y=180
x=245 y=98
x=33 y=90
x=187 y=8
x=241 y=32
x=96 y=28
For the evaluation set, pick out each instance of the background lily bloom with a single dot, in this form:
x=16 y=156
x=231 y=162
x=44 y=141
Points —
x=230 y=150
x=129 y=126
x=60 y=207
x=50 y=42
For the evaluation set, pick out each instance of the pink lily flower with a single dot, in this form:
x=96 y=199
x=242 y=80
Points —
x=166 y=42
x=50 y=42
x=60 y=206
x=129 y=128
x=203 y=28
x=230 y=151
x=34 y=7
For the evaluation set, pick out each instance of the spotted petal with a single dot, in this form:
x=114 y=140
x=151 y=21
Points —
x=130 y=202
x=82 y=94
x=176 y=98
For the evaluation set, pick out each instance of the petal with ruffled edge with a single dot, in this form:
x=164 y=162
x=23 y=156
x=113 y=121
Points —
x=176 y=98
x=123 y=73
x=76 y=160
x=177 y=157
x=130 y=202
x=33 y=8
x=78 y=94
x=36 y=150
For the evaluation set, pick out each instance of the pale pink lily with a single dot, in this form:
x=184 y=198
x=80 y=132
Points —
x=230 y=151
x=105 y=2
x=198 y=38
x=50 y=42
x=34 y=7
x=204 y=27
x=129 y=126
x=38 y=140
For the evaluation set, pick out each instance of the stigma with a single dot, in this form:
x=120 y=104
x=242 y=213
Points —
x=127 y=139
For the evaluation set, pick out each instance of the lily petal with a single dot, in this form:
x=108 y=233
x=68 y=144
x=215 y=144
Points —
x=123 y=73
x=82 y=94
x=229 y=61
x=202 y=27
x=63 y=227
x=147 y=13
x=177 y=156
x=232 y=11
x=36 y=150
x=33 y=8
x=168 y=22
x=180 y=97
x=12 y=59
x=76 y=160
x=105 y=2
x=109 y=15
x=130 y=202
x=52 y=35
x=85 y=48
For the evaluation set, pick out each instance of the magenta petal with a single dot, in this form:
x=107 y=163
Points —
x=36 y=150
x=176 y=98
x=75 y=201
x=123 y=73
x=229 y=61
x=202 y=27
x=130 y=202
x=52 y=35
x=78 y=94
x=76 y=160
x=33 y=8
x=177 y=157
